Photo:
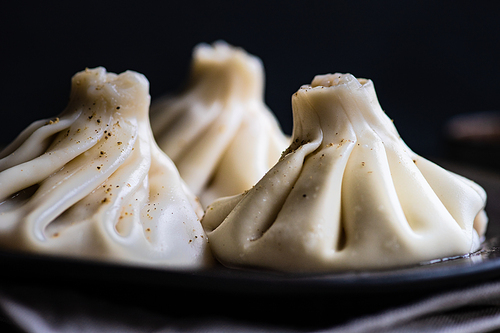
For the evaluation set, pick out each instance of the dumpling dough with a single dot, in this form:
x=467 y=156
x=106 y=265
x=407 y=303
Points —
x=219 y=133
x=92 y=183
x=347 y=194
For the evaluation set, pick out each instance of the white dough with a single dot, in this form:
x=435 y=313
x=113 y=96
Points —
x=92 y=183
x=347 y=194
x=219 y=133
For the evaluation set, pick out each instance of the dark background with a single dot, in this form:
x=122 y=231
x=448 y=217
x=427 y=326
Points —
x=429 y=60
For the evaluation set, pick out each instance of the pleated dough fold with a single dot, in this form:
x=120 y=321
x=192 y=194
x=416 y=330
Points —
x=219 y=132
x=347 y=194
x=92 y=183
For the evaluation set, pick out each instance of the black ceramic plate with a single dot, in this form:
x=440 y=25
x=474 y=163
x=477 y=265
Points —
x=440 y=274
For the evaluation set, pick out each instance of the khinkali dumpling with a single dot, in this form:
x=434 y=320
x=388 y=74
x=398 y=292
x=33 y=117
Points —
x=92 y=183
x=219 y=133
x=347 y=194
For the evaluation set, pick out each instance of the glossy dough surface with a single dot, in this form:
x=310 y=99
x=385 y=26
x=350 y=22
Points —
x=347 y=194
x=220 y=134
x=92 y=182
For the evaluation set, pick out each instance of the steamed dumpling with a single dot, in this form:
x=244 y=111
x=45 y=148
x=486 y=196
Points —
x=347 y=194
x=92 y=183
x=219 y=133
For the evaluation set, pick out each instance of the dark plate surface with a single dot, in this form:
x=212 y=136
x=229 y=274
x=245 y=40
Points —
x=479 y=266
x=482 y=265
